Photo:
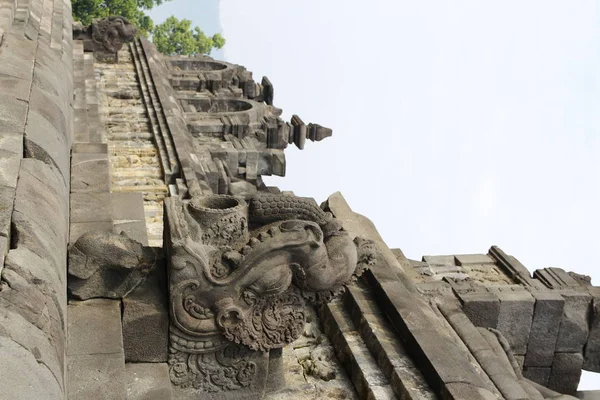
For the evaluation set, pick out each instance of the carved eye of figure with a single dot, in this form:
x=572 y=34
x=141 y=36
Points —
x=274 y=281
x=291 y=226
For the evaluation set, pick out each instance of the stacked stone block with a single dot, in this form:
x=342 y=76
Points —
x=547 y=318
x=35 y=141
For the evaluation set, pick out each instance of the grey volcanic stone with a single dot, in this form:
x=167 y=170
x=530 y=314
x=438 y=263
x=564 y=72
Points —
x=95 y=327
x=16 y=372
x=514 y=320
x=7 y=198
x=97 y=377
x=90 y=173
x=482 y=308
x=105 y=264
x=13 y=114
x=44 y=142
x=91 y=207
x=566 y=372
x=146 y=320
x=148 y=381
x=592 y=348
x=16 y=327
x=10 y=163
x=544 y=329
x=574 y=330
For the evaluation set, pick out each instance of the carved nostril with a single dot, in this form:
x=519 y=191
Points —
x=228 y=313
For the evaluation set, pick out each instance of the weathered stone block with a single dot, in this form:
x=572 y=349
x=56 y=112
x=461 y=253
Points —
x=136 y=230
x=90 y=173
x=547 y=315
x=13 y=114
x=18 y=55
x=16 y=371
x=37 y=304
x=48 y=107
x=96 y=377
x=482 y=308
x=439 y=260
x=566 y=372
x=46 y=143
x=10 y=163
x=90 y=148
x=574 y=330
x=34 y=236
x=466 y=259
x=514 y=318
x=148 y=381
x=38 y=272
x=12 y=141
x=539 y=375
x=146 y=320
x=128 y=206
x=7 y=198
x=91 y=207
x=14 y=87
x=592 y=348
x=42 y=203
x=94 y=327
x=18 y=329
x=79 y=228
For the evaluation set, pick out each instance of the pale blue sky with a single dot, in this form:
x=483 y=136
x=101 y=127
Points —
x=457 y=124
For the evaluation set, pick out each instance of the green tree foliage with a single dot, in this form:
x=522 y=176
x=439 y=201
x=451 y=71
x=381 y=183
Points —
x=134 y=10
x=176 y=37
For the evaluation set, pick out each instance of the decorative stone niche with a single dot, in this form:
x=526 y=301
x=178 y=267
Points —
x=197 y=65
x=218 y=106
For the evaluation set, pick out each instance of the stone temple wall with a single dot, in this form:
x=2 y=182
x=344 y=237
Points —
x=35 y=140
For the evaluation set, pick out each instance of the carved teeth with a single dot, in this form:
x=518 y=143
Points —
x=254 y=242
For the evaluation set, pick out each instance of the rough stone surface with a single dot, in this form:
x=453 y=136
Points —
x=574 y=329
x=514 y=319
x=106 y=264
x=482 y=308
x=146 y=320
x=96 y=365
x=592 y=349
x=148 y=381
x=544 y=329
x=566 y=372
x=18 y=366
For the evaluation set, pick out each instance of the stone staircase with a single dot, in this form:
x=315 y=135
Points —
x=133 y=151
x=105 y=98
x=369 y=348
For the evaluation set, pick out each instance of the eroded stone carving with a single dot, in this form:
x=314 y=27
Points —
x=243 y=271
x=107 y=264
x=106 y=35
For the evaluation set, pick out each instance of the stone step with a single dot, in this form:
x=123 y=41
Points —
x=146 y=171
x=148 y=381
x=405 y=377
x=368 y=378
x=128 y=134
x=95 y=357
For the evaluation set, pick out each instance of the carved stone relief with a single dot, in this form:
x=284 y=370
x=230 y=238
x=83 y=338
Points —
x=241 y=274
x=106 y=35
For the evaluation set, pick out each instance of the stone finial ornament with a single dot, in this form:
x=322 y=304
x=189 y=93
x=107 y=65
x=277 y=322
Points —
x=240 y=275
x=107 y=35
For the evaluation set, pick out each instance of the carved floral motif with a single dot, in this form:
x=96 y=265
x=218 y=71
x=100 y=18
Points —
x=249 y=288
